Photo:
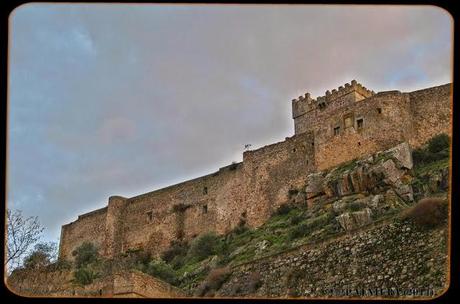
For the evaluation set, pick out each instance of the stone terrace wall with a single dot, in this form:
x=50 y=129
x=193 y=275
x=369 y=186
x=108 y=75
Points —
x=58 y=283
x=138 y=284
x=394 y=255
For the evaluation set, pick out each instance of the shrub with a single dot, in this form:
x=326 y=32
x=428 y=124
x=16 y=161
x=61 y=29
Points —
x=437 y=148
x=298 y=231
x=177 y=248
x=428 y=212
x=296 y=219
x=438 y=143
x=42 y=255
x=61 y=264
x=204 y=246
x=214 y=281
x=158 y=268
x=284 y=209
x=355 y=206
x=84 y=276
x=85 y=254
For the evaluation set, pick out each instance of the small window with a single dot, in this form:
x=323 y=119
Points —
x=205 y=208
x=293 y=150
x=336 y=130
x=205 y=190
x=150 y=216
x=379 y=110
x=312 y=143
x=359 y=123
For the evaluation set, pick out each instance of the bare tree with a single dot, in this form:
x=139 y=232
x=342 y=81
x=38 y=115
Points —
x=22 y=233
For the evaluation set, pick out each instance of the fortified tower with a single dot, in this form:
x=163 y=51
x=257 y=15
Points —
x=305 y=108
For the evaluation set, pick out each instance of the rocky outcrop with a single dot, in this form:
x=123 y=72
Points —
x=389 y=169
x=353 y=220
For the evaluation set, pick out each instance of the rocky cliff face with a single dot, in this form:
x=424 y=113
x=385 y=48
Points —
x=365 y=188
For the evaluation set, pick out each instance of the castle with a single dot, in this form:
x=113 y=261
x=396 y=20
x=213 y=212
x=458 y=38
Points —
x=349 y=122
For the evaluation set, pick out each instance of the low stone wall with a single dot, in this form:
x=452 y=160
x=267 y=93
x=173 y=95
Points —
x=58 y=283
x=392 y=257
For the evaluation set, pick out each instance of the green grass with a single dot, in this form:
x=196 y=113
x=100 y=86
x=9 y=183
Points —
x=430 y=167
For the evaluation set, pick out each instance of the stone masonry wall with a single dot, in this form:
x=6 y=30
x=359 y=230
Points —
x=88 y=227
x=431 y=113
x=385 y=123
x=247 y=191
x=43 y=282
x=393 y=255
x=388 y=118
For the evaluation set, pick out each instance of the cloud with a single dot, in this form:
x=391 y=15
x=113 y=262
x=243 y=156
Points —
x=123 y=99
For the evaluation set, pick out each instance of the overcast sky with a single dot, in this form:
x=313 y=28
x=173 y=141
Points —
x=124 y=99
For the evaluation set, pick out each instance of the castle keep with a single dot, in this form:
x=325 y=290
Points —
x=349 y=122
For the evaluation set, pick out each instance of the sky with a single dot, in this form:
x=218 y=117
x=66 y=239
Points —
x=113 y=99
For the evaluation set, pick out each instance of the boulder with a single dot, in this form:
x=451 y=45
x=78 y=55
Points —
x=376 y=201
x=344 y=185
x=405 y=191
x=352 y=220
x=402 y=154
x=300 y=198
x=314 y=184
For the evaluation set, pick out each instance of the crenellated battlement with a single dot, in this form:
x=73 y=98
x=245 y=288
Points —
x=353 y=91
x=330 y=96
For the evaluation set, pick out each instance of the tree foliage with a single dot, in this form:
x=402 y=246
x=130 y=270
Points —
x=22 y=233
x=85 y=254
x=43 y=255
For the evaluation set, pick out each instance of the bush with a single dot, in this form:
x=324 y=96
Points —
x=158 y=268
x=204 y=246
x=61 y=264
x=296 y=219
x=214 y=281
x=85 y=254
x=177 y=248
x=428 y=212
x=42 y=255
x=437 y=148
x=284 y=209
x=438 y=143
x=84 y=276
x=299 y=231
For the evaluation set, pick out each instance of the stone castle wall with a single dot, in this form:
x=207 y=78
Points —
x=251 y=190
x=248 y=191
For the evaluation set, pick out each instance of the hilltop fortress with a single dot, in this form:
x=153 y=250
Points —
x=347 y=123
